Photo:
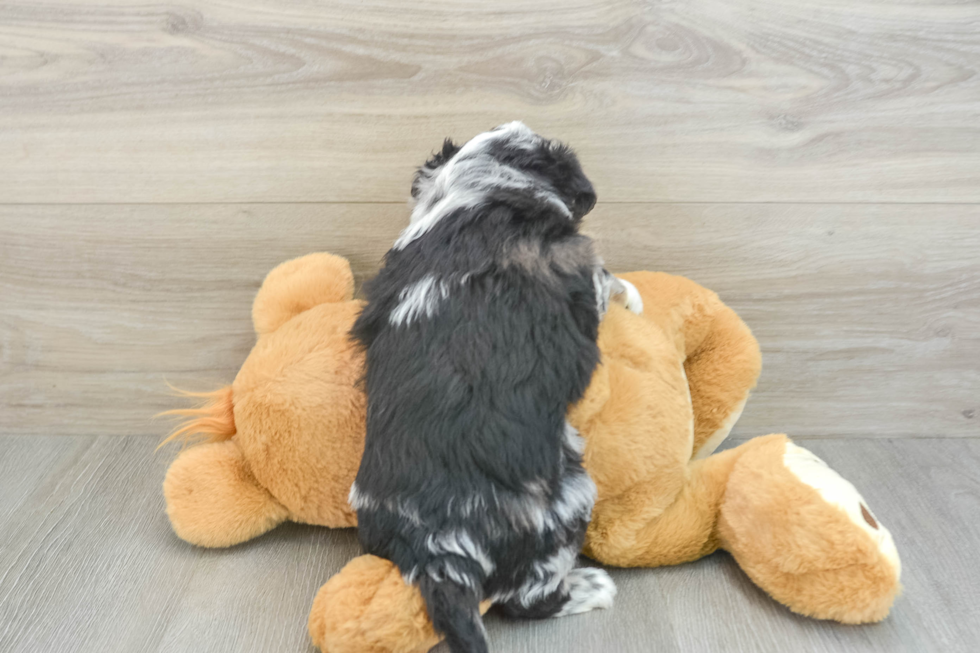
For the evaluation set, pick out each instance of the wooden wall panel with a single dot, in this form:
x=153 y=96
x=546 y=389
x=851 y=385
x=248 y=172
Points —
x=868 y=315
x=290 y=100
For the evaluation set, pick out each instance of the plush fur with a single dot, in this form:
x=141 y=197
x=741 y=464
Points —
x=479 y=332
x=670 y=381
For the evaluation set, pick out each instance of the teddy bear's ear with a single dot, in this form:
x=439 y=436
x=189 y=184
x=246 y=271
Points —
x=299 y=285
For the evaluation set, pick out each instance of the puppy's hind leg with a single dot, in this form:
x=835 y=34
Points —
x=608 y=286
x=588 y=589
x=582 y=590
x=629 y=295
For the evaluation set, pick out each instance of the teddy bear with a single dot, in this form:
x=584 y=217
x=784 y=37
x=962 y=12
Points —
x=284 y=440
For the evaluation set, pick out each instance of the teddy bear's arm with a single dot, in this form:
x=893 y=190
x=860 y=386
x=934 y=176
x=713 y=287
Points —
x=214 y=500
x=721 y=371
x=721 y=356
x=369 y=608
x=634 y=529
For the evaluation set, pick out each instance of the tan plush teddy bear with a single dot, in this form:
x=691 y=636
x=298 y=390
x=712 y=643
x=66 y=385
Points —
x=285 y=440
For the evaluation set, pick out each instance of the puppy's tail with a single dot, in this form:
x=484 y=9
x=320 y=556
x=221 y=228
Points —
x=455 y=612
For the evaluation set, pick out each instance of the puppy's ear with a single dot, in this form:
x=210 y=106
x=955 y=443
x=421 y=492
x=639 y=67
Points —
x=424 y=175
x=567 y=175
x=583 y=199
x=449 y=150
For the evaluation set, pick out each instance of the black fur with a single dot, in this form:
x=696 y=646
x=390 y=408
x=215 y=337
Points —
x=466 y=428
x=449 y=149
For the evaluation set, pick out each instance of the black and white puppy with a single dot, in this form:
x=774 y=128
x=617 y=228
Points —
x=480 y=331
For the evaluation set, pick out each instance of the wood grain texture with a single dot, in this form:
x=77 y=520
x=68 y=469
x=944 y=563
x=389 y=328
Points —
x=291 y=100
x=868 y=316
x=816 y=163
x=88 y=563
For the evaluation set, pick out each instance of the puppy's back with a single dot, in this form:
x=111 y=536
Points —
x=479 y=332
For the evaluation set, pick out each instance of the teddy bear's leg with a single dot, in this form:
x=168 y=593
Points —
x=636 y=529
x=299 y=285
x=806 y=536
x=721 y=357
x=213 y=499
x=368 y=608
x=721 y=371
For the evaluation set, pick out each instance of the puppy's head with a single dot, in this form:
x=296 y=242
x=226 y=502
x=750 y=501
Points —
x=510 y=156
x=550 y=162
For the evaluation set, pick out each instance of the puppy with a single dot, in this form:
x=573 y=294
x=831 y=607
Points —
x=479 y=332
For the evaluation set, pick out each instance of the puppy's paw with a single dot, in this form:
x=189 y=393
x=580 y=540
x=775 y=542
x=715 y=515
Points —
x=631 y=297
x=588 y=589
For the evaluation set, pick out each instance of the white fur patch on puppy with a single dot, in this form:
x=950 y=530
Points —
x=547 y=576
x=588 y=589
x=606 y=285
x=359 y=500
x=574 y=441
x=420 y=298
x=575 y=500
x=459 y=543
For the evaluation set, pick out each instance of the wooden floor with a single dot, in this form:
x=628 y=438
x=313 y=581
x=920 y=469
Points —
x=88 y=563
x=817 y=163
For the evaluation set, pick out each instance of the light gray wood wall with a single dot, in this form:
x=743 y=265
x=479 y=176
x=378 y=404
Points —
x=818 y=164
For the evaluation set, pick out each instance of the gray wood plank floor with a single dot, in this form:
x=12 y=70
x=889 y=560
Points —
x=88 y=563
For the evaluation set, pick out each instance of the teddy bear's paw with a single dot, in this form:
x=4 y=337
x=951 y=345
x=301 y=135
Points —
x=588 y=589
x=839 y=492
